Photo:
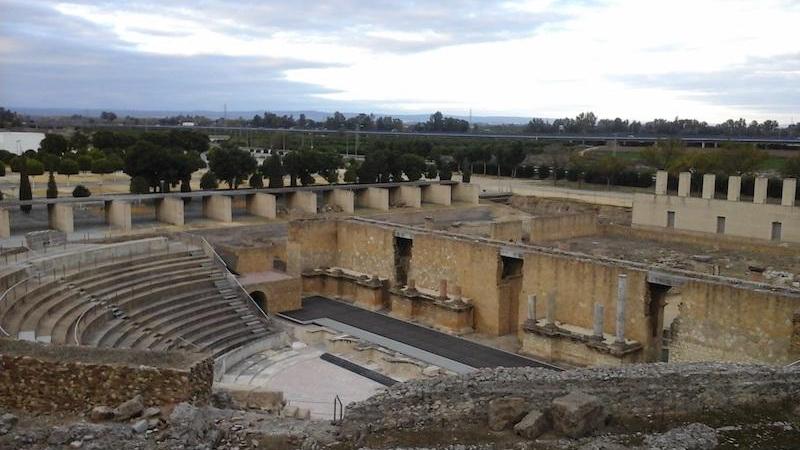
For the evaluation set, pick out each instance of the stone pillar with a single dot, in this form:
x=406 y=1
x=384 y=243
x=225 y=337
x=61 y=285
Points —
x=709 y=185
x=622 y=286
x=118 y=214
x=59 y=217
x=684 y=184
x=599 y=310
x=438 y=194
x=218 y=207
x=551 y=308
x=5 y=224
x=457 y=292
x=465 y=193
x=443 y=289
x=532 y=307
x=734 y=188
x=170 y=210
x=342 y=198
x=373 y=198
x=760 y=190
x=410 y=196
x=304 y=201
x=789 y=191
x=261 y=205
x=661 y=182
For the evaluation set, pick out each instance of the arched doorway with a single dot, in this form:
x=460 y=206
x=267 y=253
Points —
x=261 y=300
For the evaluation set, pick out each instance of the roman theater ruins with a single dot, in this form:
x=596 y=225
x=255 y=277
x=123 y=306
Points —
x=403 y=315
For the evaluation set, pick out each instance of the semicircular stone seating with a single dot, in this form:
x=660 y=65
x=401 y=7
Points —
x=161 y=296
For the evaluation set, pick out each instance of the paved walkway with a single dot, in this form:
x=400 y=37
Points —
x=413 y=340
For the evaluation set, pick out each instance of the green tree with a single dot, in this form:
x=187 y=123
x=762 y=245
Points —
x=52 y=188
x=34 y=167
x=139 y=185
x=208 y=181
x=84 y=163
x=231 y=165
x=49 y=161
x=256 y=181
x=272 y=168
x=610 y=166
x=78 y=141
x=54 y=144
x=791 y=167
x=2 y=169
x=25 y=192
x=81 y=191
x=102 y=166
x=413 y=166
x=351 y=171
x=68 y=167
x=665 y=155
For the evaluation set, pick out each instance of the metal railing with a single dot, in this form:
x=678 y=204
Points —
x=338 y=411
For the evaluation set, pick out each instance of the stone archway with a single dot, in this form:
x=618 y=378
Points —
x=261 y=300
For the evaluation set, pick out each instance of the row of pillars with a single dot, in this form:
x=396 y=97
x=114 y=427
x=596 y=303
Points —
x=734 y=187
x=599 y=312
x=220 y=207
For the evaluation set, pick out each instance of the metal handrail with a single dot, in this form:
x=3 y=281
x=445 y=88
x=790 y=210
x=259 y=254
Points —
x=338 y=406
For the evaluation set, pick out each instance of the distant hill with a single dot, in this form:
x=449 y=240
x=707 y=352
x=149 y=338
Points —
x=314 y=115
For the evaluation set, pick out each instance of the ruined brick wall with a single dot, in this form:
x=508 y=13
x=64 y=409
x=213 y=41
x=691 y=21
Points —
x=578 y=285
x=722 y=322
x=312 y=243
x=39 y=378
x=366 y=248
x=660 y=393
x=549 y=228
x=472 y=265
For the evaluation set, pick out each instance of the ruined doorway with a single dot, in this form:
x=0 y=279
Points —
x=658 y=342
x=261 y=300
x=402 y=259
x=508 y=294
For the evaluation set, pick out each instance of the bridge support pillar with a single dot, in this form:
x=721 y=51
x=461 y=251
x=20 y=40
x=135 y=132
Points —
x=709 y=185
x=789 y=191
x=760 y=190
x=373 y=198
x=59 y=217
x=218 y=207
x=465 y=193
x=118 y=214
x=303 y=201
x=410 y=196
x=344 y=199
x=661 y=182
x=262 y=205
x=5 y=224
x=734 y=188
x=170 y=210
x=438 y=194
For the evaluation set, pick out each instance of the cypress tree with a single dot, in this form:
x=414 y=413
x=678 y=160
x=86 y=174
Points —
x=25 y=189
x=52 y=189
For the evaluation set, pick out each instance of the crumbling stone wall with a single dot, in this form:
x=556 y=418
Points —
x=39 y=378
x=366 y=248
x=311 y=244
x=658 y=394
x=550 y=228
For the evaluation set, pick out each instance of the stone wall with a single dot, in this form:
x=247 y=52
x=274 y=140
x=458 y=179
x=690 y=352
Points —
x=658 y=394
x=253 y=258
x=311 y=244
x=39 y=378
x=506 y=230
x=550 y=228
x=366 y=248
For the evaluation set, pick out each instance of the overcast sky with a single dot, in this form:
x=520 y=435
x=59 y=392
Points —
x=708 y=59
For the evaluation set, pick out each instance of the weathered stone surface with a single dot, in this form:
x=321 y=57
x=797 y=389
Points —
x=101 y=413
x=129 y=409
x=533 y=424
x=152 y=411
x=140 y=426
x=505 y=412
x=577 y=414
x=695 y=436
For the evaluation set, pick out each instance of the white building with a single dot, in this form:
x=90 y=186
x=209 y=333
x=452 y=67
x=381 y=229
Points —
x=18 y=142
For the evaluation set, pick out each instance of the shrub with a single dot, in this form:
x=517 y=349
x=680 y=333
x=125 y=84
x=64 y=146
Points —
x=52 y=188
x=256 y=181
x=139 y=185
x=209 y=181
x=81 y=191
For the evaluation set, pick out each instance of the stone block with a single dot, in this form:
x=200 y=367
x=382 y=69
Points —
x=59 y=217
x=304 y=202
x=577 y=414
x=131 y=408
x=760 y=190
x=661 y=182
x=373 y=198
x=261 y=205
x=709 y=185
x=118 y=214
x=170 y=210
x=465 y=193
x=734 y=188
x=408 y=196
x=684 y=184
x=505 y=412
x=438 y=194
x=344 y=199
x=533 y=425
x=218 y=207
x=5 y=224
x=789 y=192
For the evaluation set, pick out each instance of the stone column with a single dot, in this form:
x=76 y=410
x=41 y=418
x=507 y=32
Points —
x=532 y=307
x=170 y=210
x=734 y=188
x=118 y=214
x=551 y=308
x=789 y=191
x=344 y=199
x=684 y=184
x=599 y=310
x=661 y=182
x=465 y=193
x=5 y=224
x=373 y=198
x=709 y=185
x=218 y=207
x=443 y=289
x=438 y=194
x=760 y=190
x=410 y=196
x=304 y=201
x=59 y=217
x=622 y=286
x=261 y=205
